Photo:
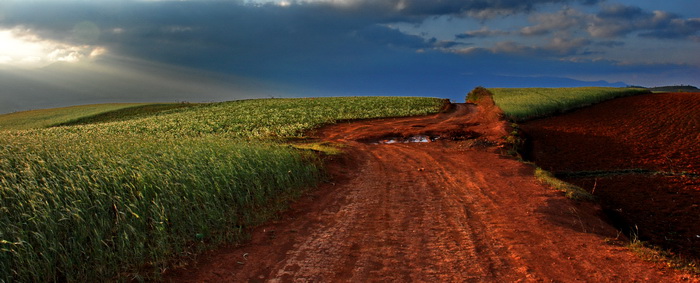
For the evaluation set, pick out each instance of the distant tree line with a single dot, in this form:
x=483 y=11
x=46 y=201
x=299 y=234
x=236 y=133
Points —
x=672 y=88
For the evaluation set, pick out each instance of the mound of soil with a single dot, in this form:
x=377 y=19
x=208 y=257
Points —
x=639 y=155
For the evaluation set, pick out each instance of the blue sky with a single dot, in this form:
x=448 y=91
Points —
x=63 y=52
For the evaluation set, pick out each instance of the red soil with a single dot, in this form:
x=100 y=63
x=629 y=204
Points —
x=654 y=132
x=452 y=210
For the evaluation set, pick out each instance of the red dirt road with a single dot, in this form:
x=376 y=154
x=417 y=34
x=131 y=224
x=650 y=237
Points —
x=452 y=210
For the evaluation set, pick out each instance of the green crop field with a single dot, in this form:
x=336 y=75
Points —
x=520 y=104
x=47 y=117
x=127 y=113
x=264 y=118
x=124 y=198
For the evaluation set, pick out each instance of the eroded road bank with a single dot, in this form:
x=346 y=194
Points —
x=450 y=209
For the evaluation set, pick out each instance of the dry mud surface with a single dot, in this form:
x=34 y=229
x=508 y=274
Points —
x=450 y=210
x=649 y=145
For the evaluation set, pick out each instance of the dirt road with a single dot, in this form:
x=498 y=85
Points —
x=449 y=210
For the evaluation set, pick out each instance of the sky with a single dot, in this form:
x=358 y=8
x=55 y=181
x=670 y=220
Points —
x=67 y=52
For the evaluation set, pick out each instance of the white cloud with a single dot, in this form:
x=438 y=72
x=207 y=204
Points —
x=467 y=50
x=177 y=29
x=483 y=32
x=559 y=21
x=23 y=48
x=118 y=30
x=65 y=55
x=99 y=51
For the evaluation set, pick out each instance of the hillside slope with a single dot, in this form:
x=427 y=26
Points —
x=42 y=118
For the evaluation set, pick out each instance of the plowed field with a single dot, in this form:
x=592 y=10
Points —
x=640 y=155
x=447 y=208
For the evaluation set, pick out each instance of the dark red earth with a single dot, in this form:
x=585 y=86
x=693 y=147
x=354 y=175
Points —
x=655 y=135
x=449 y=210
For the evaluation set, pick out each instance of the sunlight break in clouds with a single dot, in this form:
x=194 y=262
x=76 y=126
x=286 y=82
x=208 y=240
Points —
x=23 y=49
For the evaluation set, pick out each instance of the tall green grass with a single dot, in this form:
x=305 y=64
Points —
x=82 y=210
x=123 y=199
x=526 y=103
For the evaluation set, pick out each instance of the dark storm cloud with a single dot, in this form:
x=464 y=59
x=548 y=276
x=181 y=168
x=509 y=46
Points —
x=168 y=20
x=212 y=35
x=614 y=21
x=622 y=12
x=343 y=48
x=619 y=20
x=676 y=29
x=259 y=40
x=406 y=10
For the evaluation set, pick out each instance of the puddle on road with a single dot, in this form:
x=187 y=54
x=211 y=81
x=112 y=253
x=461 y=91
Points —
x=406 y=140
x=423 y=138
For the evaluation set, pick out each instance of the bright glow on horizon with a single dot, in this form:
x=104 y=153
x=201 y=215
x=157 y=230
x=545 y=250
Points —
x=21 y=48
